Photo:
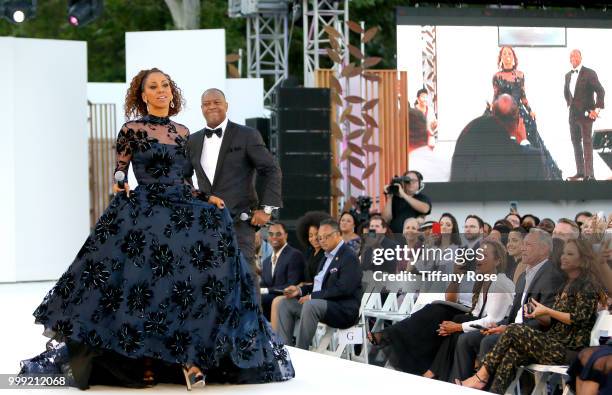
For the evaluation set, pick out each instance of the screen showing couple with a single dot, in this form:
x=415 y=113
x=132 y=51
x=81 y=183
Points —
x=500 y=103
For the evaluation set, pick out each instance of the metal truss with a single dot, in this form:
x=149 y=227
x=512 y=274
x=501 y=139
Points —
x=317 y=14
x=268 y=49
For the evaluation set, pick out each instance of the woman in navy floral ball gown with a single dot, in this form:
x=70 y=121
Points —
x=159 y=284
x=510 y=80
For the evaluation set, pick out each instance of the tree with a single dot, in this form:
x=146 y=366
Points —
x=185 y=13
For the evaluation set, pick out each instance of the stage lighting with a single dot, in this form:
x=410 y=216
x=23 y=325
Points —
x=17 y=11
x=81 y=12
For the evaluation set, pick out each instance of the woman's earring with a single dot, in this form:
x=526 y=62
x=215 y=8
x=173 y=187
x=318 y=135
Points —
x=172 y=104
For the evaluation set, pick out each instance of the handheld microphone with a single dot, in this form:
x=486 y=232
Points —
x=120 y=179
x=247 y=217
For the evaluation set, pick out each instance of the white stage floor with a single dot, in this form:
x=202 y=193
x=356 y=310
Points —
x=315 y=373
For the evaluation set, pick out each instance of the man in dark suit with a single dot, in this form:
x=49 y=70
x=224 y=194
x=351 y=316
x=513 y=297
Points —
x=333 y=299
x=486 y=150
x=226 y=157
x=581 y=84
x=540 y=281
x=283 y=268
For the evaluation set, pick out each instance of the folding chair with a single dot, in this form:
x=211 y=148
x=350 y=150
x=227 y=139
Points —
x=544 y=373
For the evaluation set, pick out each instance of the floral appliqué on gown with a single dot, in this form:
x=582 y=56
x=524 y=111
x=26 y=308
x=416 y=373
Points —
x=161 y=276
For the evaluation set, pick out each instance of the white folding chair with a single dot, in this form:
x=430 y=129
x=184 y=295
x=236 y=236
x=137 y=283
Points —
x=543 y=373
x=339 y=342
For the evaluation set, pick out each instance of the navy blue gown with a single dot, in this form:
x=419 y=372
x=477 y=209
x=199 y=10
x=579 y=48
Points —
x=160 y=277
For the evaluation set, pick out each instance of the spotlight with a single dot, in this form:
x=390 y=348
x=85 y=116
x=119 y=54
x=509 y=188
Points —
x=81 y=12
x=17 y=11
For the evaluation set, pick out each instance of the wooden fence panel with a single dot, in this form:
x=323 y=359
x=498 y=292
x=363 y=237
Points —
x=392 y=134
x=102 y=137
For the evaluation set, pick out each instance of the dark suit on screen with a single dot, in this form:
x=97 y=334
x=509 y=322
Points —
x=588 y=95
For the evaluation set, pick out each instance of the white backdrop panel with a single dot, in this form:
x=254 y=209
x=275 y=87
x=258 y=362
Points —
x=7 y=162
x=48 y=163
x=245 y=98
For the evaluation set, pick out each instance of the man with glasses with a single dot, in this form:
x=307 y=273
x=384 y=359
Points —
x=409 y=202
x=332 y=299
x=283 y=268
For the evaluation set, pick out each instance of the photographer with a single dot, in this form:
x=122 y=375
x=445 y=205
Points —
x=407 y=200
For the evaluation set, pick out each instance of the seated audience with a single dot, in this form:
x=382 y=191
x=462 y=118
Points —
x=514 y=219
x=529 y=221
x=486 y=229
x=411 y=345
x=379 y=237
x=566 y=229
x=448 y=239
x=284 y=268
x=581 y=218
x=591 y=371
x=333 y=299
x=348 y=225
x=263 y=249
x=514 y=246
x=570 y=320
x=540 y=281
x=547 y=224
x=494 y=299
x=307 y=228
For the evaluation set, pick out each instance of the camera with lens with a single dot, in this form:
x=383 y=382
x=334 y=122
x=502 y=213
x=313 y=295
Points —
x=394 y=189
x=362 y=211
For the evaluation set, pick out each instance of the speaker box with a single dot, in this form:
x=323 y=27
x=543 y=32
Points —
x=294 y=208
x=302 y=98
x=300 y=137
x=263 y=125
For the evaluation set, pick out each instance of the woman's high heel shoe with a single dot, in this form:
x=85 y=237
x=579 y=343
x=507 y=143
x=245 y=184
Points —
x=148 y=376
x=193 y=377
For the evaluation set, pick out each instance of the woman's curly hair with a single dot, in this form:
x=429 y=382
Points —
x=135 y=107
x=311 y=218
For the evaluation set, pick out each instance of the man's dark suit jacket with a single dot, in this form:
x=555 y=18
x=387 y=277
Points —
x=485 y=152
x=341 y=289
x=242 y=155
x=543 y=288
x=587 y=85
x=289 y=269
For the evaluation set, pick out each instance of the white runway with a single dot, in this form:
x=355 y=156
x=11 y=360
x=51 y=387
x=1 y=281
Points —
x=316 y=374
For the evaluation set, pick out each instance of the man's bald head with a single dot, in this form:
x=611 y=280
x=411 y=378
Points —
x=504 y=105
x=575 y=58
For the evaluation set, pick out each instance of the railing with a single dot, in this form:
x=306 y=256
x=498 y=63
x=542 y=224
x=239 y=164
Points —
x=102 y=136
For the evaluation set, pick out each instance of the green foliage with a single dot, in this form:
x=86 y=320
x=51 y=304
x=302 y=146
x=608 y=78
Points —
x=379 y=13
x=106 y=35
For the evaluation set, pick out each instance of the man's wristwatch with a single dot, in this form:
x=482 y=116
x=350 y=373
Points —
x=268 y=210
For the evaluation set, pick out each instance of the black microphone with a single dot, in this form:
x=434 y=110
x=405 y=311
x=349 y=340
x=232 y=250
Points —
x=120 y=179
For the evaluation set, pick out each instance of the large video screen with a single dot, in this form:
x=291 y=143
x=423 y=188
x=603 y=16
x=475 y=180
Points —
x=501 y=103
